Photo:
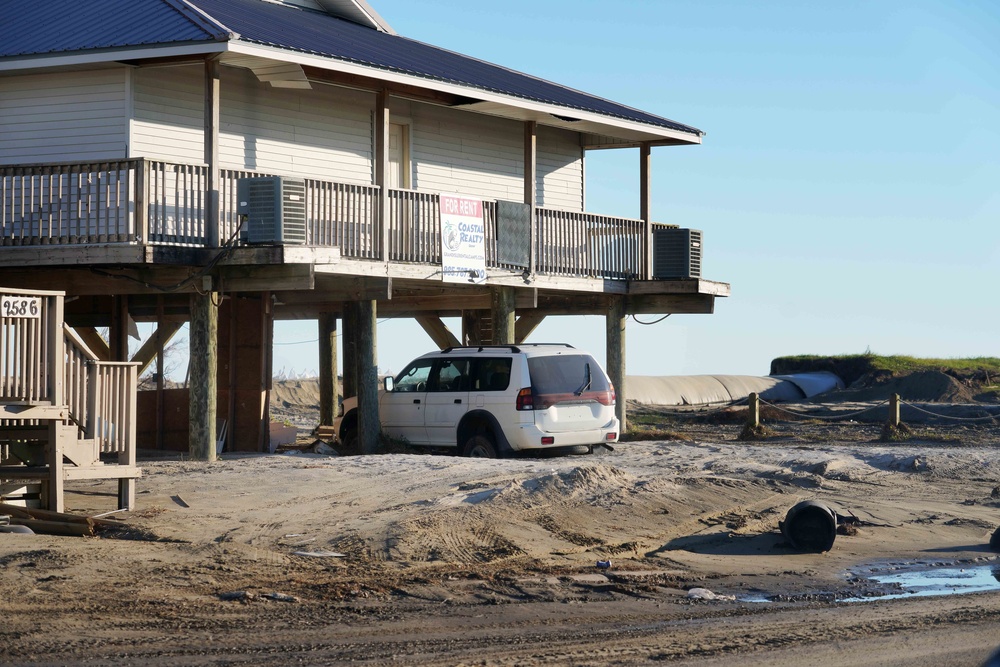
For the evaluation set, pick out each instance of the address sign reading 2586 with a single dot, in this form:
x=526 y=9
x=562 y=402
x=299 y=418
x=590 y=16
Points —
x=21 y=306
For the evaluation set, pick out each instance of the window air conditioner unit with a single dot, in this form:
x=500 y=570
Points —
x=275 y=209
x=676 y=253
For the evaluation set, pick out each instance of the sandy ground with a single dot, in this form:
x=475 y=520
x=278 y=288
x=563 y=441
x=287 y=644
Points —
x=440 y=560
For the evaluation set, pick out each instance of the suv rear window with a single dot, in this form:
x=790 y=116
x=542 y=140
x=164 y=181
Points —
x=571 y=377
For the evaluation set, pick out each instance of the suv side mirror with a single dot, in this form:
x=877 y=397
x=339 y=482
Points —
x=388 y=383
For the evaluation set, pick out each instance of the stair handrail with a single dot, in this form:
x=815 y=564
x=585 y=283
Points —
x=101 y=397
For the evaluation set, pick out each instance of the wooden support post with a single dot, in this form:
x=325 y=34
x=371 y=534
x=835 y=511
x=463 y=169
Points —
x=54 y=459
x=646 y=205
x=753 y=412
x=203 y=387
x=381 y=129
x=615 y=321
x=57 y=390
x=212 y=103
x=328 y=388
x=160 y=368
x=503 y=315
x=894 y=420
x=369 y=427
x=126 y=485
x=350 y=338
x=266 y=370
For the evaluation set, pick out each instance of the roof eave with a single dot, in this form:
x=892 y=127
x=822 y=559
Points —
x=556 y=115
x=98 y=56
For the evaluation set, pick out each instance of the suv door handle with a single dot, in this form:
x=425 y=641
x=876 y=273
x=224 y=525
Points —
x=457 y=401
x=416 y=400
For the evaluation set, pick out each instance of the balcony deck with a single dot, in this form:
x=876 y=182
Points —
x=150 y=213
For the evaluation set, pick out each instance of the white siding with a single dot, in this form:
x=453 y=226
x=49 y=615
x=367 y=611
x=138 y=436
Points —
x=323 y=133
x=169 y=114
x=560 y=169
x=469 y=153
x=63 y=117
x=326 y=133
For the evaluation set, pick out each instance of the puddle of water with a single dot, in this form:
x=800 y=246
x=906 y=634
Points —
x=952 y=580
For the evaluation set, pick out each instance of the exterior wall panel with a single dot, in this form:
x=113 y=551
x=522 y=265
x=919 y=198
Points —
x=63 y=117
x=469 y=153
x=324 y=133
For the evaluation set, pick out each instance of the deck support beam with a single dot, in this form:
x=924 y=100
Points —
x=438 y=331
x=615 y=320
x=203 y=389
x=525 y=325
x=328 y=388
x=369 y=427
x=502 y=312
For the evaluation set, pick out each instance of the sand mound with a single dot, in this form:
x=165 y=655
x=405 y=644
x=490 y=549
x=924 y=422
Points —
x=924 y=386
x=303 y=393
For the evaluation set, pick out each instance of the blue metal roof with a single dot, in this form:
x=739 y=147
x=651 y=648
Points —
x=309 y=32
x=60 y=26
x=37 y=27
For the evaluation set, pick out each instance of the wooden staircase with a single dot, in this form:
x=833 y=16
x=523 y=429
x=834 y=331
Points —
x=64 y=415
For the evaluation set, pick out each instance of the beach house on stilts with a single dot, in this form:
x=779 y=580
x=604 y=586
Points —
x=226 y=163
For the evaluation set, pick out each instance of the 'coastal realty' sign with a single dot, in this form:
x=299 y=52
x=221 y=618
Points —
x=463 y=240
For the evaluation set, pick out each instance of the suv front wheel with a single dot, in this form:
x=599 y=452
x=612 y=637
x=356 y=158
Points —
x=480 y=446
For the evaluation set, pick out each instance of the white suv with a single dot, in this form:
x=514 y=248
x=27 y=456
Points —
x=493 y=400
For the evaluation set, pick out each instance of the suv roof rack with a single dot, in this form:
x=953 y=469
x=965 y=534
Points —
x=512 y=348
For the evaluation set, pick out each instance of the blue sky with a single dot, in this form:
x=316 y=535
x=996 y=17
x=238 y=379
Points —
x=848 y=187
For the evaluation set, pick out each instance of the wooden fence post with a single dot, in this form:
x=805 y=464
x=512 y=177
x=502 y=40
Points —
x=753 y=416
x=894 y=410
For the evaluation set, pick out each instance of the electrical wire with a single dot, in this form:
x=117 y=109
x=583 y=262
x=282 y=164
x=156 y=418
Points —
x=650 y=323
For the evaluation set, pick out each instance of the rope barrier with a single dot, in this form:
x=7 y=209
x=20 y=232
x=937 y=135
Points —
x=941 y=416
x=828 y=418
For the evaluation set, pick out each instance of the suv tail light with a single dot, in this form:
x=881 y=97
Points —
x=525 y=400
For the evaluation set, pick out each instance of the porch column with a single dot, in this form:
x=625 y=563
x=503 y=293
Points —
x=327 y=368
x=368 y=422
x=530 y=183
x=381 y=130
x=202 y=391
x=615 y=319
x=502 y=298
x=212 y=97
x=646 y=206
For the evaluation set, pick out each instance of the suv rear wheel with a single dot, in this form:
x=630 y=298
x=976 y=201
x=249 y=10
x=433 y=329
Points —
x=480 y=446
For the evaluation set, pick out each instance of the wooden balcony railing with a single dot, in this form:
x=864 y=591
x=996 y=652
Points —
x=158 y=202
